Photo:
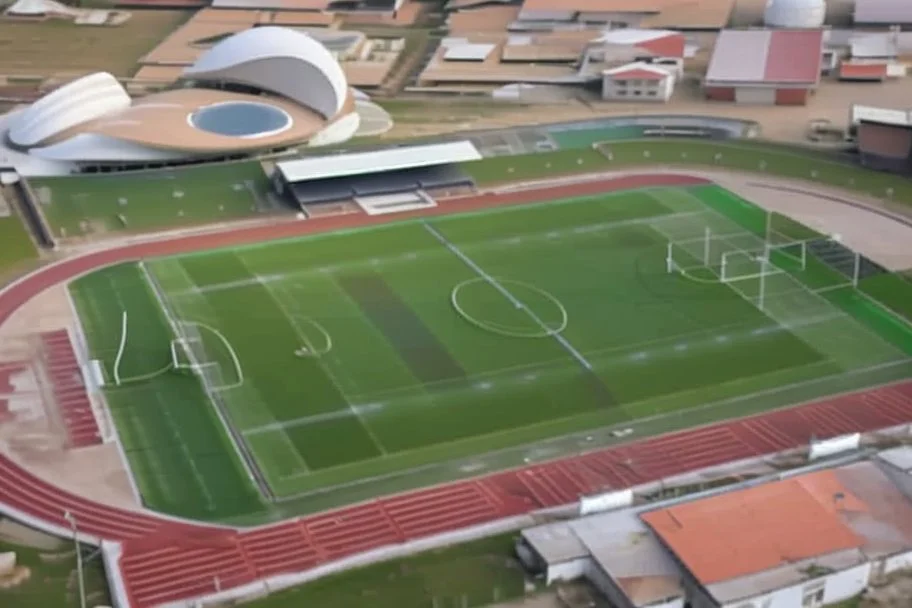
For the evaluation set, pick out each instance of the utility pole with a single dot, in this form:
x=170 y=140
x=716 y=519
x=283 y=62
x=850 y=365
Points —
x=71 y=519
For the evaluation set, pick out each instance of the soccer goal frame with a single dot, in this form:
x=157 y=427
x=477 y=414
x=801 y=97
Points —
x=704 y=243
x=189 y=335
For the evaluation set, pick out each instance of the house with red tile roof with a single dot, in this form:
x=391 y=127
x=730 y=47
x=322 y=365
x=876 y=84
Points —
x=800 y=539
x=638 y=82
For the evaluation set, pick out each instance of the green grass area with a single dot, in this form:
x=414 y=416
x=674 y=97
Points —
x=469 y=575
x=499 y=169
x=892 y=290
x=179 y=452
x=53 y=578
x=755 y=157
x=16 y=246
x=584 y=138
x=62 y=49
x=352 y=358
x=96 y=204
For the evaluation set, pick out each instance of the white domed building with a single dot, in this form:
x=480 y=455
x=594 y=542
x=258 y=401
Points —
x=795 y=14
x=263 y=90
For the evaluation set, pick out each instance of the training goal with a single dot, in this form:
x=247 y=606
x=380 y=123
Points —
x=191 y=353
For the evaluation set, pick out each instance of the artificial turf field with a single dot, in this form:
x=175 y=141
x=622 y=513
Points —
x=356 y=355
x=92 y=204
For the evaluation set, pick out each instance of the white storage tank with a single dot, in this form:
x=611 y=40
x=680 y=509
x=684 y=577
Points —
x=795 y=13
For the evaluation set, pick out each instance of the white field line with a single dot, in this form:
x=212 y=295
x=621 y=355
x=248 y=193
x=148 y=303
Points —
x=290 y=319
x=104 y=406
x=239 y=371
x=201 y=482
x=764 y=310
x=509 y=296
x=409 y=257
x=202 y=299
x=416 y=396
x=815 y=294
x=352 y=411
x=121 y=348
x=575 y=437
x=229 y=430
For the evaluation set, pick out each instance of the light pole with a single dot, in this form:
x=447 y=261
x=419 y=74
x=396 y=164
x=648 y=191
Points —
x=72 y=521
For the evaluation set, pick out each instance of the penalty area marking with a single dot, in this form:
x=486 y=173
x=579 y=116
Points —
x=234 y=358
x=545 y=331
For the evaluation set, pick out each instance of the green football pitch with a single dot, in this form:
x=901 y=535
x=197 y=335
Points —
x=79 y=205
x=333 y=360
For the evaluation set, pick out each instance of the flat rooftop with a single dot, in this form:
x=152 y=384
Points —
x=886 y=12
x=687 y=14
x=622 y=545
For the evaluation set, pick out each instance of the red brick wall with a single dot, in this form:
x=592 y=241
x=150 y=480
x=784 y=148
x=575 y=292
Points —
x=720 y=93
x=791 y=97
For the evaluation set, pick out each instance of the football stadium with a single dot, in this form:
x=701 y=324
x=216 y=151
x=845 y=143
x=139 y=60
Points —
x=396 y=348
x=286 y=369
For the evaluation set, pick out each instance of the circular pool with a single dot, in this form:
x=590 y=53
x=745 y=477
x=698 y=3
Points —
x=241 y=119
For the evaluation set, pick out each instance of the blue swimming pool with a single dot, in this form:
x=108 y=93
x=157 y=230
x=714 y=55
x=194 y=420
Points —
x=241 y=119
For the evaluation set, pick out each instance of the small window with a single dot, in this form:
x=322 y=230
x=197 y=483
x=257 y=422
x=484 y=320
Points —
x=812 y=595
x=652 y=93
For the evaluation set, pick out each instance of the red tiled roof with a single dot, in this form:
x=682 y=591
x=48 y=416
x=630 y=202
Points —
x=638 y=74
x=665 y=46
x=794 y=56
x=863 y=71
x=740 y=533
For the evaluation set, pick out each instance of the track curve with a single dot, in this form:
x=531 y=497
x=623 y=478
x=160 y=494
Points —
x=163 y=560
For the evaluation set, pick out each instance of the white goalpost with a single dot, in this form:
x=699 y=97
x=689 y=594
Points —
x=188 y=352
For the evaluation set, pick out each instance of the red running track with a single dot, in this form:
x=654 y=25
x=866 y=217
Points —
x=164 y=561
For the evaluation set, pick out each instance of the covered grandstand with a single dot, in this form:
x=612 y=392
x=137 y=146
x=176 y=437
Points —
x=379 y=181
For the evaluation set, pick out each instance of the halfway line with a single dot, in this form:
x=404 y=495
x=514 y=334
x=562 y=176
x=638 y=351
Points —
x=506 y=293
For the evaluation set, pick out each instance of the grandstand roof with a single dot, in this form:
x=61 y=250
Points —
x=376 y=161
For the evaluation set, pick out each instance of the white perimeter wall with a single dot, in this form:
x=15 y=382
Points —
x=569 y=570
x=838 y=586
x=903 y=561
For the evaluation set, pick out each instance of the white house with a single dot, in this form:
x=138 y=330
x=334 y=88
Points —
x=638 y=82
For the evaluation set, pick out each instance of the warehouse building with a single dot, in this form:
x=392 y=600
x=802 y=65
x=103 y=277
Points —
x=807 y=538
x=767 y=67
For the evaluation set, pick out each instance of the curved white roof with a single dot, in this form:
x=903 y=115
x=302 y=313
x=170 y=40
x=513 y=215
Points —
x=92 y=147
x=280 y=60
x=74 y=103
x=795 y=13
